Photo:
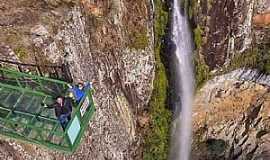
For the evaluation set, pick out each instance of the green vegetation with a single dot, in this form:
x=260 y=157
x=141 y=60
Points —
x=157 y=141
x=202 y=72
x=198 y=36
x=192 y=8
x=264 y=61
x=255 y=58
x=161 y=20
x=139 y=39
x=249 y=59
x=184 y=4
x=21 y=52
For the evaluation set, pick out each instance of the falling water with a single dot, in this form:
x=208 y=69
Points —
x=182 y=129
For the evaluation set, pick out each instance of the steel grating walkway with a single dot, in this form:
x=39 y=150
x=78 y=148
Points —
x=22 y=116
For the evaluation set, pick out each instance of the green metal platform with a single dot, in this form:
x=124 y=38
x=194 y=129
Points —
x=22 y=116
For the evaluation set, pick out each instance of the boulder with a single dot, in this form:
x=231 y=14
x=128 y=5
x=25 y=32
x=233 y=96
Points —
x=39 y=30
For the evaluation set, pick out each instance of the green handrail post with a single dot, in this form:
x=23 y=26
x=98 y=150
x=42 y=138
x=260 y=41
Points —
x=40 y=128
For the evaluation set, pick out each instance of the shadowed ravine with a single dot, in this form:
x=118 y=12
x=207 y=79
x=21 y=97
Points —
x=182 y=125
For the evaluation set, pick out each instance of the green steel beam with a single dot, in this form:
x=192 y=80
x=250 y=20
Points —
x=84 y=120
x=30 y=128
x=18 y=82
x=42 y=144
x=30 y=103
x=30 y=114
x=33 y=77
x=5 y=101
x=18 y=101
x=53 y=130
x=26 y=90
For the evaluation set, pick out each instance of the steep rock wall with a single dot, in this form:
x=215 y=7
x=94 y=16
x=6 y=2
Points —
x=108 y=42
x=226 y=28
x=231 y=117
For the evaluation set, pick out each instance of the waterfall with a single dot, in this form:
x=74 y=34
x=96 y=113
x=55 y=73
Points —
x=182 y=124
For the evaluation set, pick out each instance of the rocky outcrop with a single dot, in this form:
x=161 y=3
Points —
x=228 y=29
x=107 y=42
x=231 y=112
x=7 y=53
x=231 y=117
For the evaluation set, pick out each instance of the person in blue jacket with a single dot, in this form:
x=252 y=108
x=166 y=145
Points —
x=79 y=90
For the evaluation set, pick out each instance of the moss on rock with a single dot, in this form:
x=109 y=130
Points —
x=255 y=58
x=157 y=141
x=21 y=52
x=198 y=36
x=139 y=39
x=202 y=72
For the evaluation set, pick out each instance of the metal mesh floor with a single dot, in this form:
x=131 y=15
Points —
x=21 y=113
x=23 y=117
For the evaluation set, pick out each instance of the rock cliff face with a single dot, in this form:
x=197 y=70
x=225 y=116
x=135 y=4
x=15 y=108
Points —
x=231 y=117
x=228 y=28
x=108 y=42
x=231 y=112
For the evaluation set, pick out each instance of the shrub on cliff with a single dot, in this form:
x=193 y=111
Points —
x=198 y=36
x=157 y=141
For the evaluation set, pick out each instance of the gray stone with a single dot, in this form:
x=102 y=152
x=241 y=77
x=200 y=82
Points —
x=244 y=134
x=39 y=30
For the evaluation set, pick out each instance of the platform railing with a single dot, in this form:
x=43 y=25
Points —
x=37 y=85
x=60 y=72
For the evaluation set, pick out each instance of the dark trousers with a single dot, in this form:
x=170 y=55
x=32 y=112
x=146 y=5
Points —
x=64 y=119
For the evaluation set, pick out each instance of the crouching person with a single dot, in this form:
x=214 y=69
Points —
x=63 y=110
